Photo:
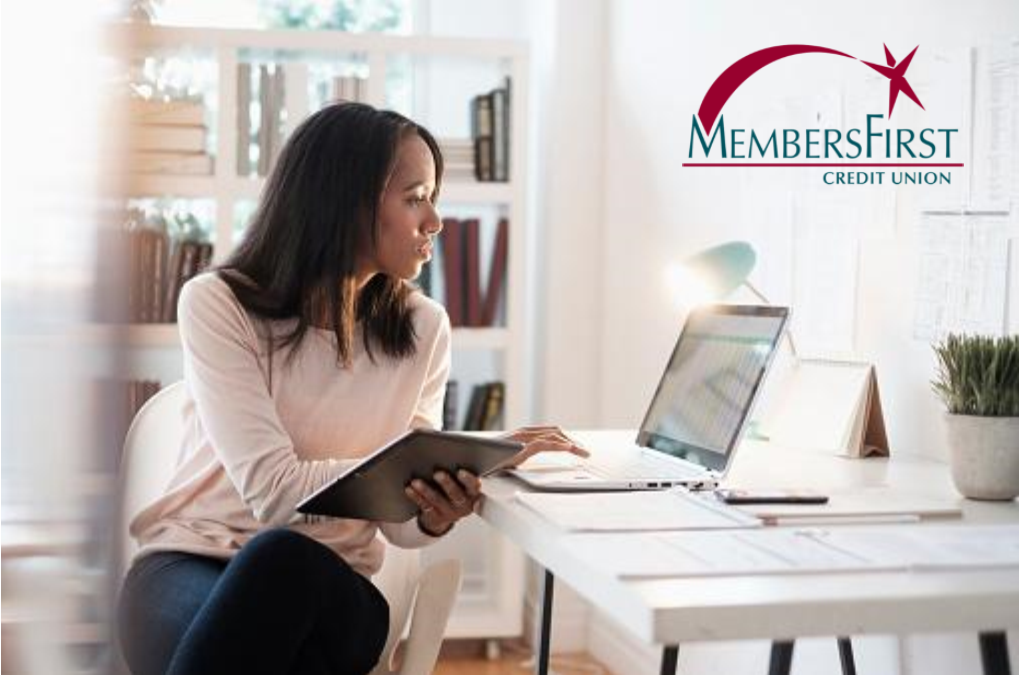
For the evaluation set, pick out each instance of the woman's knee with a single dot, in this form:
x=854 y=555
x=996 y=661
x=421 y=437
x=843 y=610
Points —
x=286 y=547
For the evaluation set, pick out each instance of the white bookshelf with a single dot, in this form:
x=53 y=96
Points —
x=491 y=604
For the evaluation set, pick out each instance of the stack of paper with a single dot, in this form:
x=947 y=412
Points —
x=675 y=509
x=816 y=550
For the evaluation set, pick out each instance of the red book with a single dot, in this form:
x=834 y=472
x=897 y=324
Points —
x=497 y=274
x=453 y=270
x=472 y=273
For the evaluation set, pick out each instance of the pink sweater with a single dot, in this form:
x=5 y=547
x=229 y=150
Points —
x=250 y=455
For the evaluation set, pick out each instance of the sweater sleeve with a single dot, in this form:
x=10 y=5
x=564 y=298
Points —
x=428 y=414
x=222 y=372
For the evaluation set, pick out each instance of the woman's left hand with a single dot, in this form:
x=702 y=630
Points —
x=441 y=508
x=542 y=439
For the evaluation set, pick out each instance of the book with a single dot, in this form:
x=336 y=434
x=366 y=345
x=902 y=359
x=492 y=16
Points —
x=350 y=88
x=492 y=410
x=173 y=286
x=180 y=163
x=453 y=270
x=497 y=274
x=481 y=132
x=832 y=406
x=156 y=277
x=476 y=408
x=170 y=112
x=500 y=134
x=168 y=138
x=278 y=94
x=472 y=274
x=146 y=265
x=450 y=406
x=243 y=120
x=483 y=159
x=264 y=134
x=295 y=96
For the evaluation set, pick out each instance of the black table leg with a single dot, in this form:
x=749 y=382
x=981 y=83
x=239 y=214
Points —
x=545 y=626
x=670 y=654
x=994 y=653
x=781 y=658
x=846 y=656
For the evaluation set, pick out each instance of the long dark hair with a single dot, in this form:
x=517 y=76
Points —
x=318 y=208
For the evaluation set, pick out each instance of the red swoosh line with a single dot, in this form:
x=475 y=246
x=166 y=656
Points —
x=734 y=76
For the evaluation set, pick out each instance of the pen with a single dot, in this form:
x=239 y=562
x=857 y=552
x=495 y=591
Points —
x=841 y=520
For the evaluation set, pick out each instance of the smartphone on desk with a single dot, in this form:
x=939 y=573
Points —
x=770 y=496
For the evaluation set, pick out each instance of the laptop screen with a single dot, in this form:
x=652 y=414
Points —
x=705 y=396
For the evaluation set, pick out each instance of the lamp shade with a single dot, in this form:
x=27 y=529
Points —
x=722 y=269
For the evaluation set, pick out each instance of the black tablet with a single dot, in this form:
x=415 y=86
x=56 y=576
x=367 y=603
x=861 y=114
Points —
x=374 y=488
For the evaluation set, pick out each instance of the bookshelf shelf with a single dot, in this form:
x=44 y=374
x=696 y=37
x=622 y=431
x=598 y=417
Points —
x=161 y=335
x=494 y=607
x=475 y=193
x=462 y=192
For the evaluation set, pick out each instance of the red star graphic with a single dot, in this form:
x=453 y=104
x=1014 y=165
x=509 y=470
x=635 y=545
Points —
x=897 y=79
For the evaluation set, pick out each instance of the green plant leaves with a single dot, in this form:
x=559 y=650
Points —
x=977 y=375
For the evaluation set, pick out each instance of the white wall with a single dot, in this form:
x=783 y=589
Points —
x=661 y=59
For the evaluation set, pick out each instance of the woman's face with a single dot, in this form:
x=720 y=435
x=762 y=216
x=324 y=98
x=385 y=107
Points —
x=408 y=220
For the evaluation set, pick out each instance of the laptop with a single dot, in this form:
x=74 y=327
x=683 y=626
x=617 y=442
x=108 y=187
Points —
x=698 y=414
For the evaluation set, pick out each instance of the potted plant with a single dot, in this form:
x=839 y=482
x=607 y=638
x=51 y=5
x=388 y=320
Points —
x=977 y=382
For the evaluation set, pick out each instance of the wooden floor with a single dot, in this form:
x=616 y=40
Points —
x=467 y=658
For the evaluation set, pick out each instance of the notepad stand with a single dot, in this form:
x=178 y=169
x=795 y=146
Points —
x=831 y=406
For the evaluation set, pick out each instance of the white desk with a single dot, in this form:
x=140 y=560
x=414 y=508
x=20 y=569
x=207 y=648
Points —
x=780 y=607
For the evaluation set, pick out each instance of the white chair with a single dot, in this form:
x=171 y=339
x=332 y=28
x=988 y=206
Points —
x=426 y=596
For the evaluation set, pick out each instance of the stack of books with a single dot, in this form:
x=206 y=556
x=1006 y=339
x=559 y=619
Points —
x=467 y=301
x=169 y=137
x=349 y=88
x=485 y=407
x=490 y=131
x=458 y=159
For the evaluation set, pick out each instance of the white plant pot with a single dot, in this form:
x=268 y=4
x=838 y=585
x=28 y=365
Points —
x=983 y=455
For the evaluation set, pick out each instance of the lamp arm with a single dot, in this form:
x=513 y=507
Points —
x=758 y=294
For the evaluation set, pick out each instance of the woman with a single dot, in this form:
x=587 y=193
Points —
x=307 y=349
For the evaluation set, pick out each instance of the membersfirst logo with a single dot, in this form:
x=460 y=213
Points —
x=864 y=143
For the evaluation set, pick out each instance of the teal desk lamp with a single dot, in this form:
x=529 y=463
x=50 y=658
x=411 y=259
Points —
x=717 y=272
x=723 y=269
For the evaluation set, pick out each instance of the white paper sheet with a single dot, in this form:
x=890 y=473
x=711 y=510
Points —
x=801 y=551
x=634 y=511
x=995 y=181
x=819 y=404
x=825 y=257
x=963 y=275
x=859 y=503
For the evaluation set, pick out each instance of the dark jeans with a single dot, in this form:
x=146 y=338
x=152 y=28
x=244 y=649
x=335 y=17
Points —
x=284 y=604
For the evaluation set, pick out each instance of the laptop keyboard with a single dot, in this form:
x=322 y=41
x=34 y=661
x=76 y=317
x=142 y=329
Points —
x=642 y=467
